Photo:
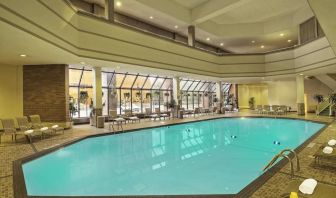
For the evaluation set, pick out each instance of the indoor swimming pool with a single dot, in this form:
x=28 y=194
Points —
x=218 y=156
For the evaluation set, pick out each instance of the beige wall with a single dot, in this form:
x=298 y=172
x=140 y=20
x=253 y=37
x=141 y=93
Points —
x=11 y=100
x=282 y=93
x=313 y=87
x=246 y=91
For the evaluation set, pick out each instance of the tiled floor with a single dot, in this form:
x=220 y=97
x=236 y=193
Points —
x=10 y=152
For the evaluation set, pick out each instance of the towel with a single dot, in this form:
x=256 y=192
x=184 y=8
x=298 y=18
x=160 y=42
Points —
x=327 y=150
x=308 y=186
x=332 y=142
x=28 y=132
x=55 y=126
x=44 y=128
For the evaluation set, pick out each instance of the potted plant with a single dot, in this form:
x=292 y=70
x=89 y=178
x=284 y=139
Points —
x=72 y=107
x=127 y=95
x=83 y=96
x=332 y=100
x=251 y=103
x=319 y=98
x=148 y=95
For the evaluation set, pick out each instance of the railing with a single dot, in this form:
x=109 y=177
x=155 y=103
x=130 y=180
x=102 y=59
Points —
x=284 y=155
x=322 y=106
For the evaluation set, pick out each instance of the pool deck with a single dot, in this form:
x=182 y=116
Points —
x=272 y=188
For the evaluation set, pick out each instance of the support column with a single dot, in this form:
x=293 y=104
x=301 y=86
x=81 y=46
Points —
x=219 y=95
x=191 y=36
x=97 y=91
x=300 y=95
x=177 y=95
x=109 y=10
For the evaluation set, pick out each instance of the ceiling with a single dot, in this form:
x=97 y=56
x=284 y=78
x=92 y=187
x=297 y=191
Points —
x=239 y=26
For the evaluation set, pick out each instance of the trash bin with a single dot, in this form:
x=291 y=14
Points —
x=100 y=121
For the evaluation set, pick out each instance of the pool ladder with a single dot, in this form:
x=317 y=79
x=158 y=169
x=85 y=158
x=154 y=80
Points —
x=285 y=154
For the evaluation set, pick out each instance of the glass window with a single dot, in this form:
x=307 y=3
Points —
x=158 y=83
x=146 y=100
x=149 y=82
x=168 y=84
x=205 y=87
x=193 y=86
x=119 y=79
x=182 y=83
x=199 y=86
x=87 y=79
x=128 y=81
x=73 y=102
x=139 y=82
x=186 y=85
x=74 y=77
x=85 y=102
x=125 y=100
x=106 y=79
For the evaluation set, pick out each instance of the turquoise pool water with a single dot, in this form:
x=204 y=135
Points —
x=219 y=156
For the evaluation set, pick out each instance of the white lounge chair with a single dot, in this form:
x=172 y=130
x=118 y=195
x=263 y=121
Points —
x=163 y=115
x=113 y=118
x=150 y=115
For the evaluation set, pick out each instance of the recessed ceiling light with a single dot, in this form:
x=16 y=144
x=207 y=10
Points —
x=83 y=63
x=23 y=55
x=289 y=41
x=221 y=44
x=176 y=26
x=118 y=3
x=301 y=74
x=282 y=34
x=208 y=39
x=151 y=17
x=252 y=41
x=262 y=46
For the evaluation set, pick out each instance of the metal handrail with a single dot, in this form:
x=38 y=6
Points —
x=281 y=154
x=295 y=156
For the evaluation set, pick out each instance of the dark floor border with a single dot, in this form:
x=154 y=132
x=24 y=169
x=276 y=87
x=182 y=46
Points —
x=20 y=190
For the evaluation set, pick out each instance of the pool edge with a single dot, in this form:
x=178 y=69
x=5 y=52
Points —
x=20 y=190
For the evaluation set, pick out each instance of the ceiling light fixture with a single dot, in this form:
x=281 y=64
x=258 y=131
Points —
x=252 y=41
x=176 y=26
x=221 y=44
x=118 y=3
x=208 y=39
x=151 y=17
x=289 y=41
x=23 y=55
x=262 y=46
x=282 y=34
x=83 y=63
x=301 y=74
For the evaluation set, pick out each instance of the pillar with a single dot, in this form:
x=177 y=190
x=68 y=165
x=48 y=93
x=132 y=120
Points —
x=97 y=91
x=300 y=95
x=219 y=95
x=109 y=10
x=176 y=90
x=191 y=36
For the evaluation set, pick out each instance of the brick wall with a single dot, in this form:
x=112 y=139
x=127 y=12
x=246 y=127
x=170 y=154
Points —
x=45 y=92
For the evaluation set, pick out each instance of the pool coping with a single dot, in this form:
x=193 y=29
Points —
x=20 y=190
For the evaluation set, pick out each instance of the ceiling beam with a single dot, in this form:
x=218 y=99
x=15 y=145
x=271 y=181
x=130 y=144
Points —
x=214 y=8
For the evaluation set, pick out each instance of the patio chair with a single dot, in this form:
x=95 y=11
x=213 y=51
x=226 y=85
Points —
x=259 y=109
x=266 y=109
x=113 y=118
x=275 y=109
x=27 y=127
x=320 y=191
x=10 y=129
x=150 y=115
x=320 y=155
x=37 y=123
x=163 y=115
x=129 y=116
x=196 y=111
x=282 y=109
x=44 y=127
